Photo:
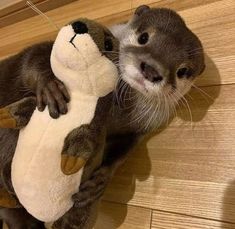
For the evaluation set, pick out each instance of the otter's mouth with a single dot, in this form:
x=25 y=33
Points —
x=140 y=81
x=71 y=41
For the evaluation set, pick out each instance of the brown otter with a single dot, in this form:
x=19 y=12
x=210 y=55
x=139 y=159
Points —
x=159 y=59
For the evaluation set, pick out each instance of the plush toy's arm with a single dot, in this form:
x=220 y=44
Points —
x=83 y=142
x=18 y=114
x=79 y=146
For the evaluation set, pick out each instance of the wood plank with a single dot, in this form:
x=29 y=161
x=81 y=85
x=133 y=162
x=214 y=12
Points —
x=112 y=216
x=37 y=29
x=166 y=220
x=10 y=6
x=188 y=169
x=22 y=11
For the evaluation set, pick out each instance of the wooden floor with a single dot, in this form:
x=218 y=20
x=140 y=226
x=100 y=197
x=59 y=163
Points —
x=183 y=177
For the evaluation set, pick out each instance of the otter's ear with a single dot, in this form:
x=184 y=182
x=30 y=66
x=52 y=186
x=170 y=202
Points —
x=141 y=9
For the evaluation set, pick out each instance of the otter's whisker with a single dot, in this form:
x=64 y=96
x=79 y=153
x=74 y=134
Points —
x=203 y=92
x=189 y=109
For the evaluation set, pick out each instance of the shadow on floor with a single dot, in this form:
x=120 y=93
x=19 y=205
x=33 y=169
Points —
x=229 y=205
x=200 y=102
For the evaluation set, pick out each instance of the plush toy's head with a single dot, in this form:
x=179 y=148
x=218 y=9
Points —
x=83 y=57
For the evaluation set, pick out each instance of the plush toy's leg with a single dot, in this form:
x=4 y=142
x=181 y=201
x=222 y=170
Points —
x=6 y=120
x=19 y=218
x=78 y=147
x=7 y=200
x=18 y=114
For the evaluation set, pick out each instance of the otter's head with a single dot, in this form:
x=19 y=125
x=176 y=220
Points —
x=159 y=55
x=83 y=57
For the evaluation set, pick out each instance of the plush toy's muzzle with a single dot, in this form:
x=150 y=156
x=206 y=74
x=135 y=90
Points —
x=78 y=62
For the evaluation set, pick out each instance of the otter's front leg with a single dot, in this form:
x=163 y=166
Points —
x=37 y=75
x=82 y=214
x=18 y=114
x=116 y=151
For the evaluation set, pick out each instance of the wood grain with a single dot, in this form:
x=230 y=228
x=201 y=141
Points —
x=204 y=19
x=10 y=6
x=165 y=220
x=112 y=216
x=20 y=10
x=186 y=168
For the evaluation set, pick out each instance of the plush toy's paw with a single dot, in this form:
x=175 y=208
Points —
x=71 y=164
x=6 y=200
x=6 y=119
x=18 y=114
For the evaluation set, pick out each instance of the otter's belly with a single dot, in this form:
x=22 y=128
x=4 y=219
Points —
x=40 y=185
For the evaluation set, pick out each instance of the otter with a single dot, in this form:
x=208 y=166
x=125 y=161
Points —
x=159 y=59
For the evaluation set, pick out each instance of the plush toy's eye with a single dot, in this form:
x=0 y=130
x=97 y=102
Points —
x=184 y=72
x=143 y=38
x=108 y=45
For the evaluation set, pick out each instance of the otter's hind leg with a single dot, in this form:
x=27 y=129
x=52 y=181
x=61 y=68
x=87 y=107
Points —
x=18 y=114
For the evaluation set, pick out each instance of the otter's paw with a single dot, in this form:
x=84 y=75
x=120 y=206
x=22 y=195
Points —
x=71 y=164
x=6 y=119
x=92 y=189
x=6 y=200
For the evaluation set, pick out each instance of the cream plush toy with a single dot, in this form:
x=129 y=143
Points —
x=48 y=164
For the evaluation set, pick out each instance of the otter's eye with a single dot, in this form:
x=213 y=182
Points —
x=108 y=45
x=143 y=38
x=184 y=72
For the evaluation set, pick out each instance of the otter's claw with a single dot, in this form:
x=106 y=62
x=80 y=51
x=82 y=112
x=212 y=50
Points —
x=93 y=189
x=6 y=119
x=71 y=164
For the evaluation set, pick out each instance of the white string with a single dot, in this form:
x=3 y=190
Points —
x=33 y=7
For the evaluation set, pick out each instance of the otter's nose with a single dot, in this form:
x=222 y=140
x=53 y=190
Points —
x=79 y=27
x=150 y=73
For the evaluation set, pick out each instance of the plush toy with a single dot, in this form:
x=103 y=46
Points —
x=51 y=153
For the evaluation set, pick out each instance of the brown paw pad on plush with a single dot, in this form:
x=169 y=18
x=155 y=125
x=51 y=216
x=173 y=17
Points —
x=71 y=164
x=6 y=200
x=6 y=119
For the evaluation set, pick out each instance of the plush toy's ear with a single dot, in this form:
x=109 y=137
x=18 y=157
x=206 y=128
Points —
x=141 y=9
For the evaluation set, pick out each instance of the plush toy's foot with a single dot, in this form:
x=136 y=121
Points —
x=18 y=114
x=6 y=119
x=6 y=200
x=71 y=164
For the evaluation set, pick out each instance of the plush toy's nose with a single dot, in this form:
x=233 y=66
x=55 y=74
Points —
x=79 y=27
